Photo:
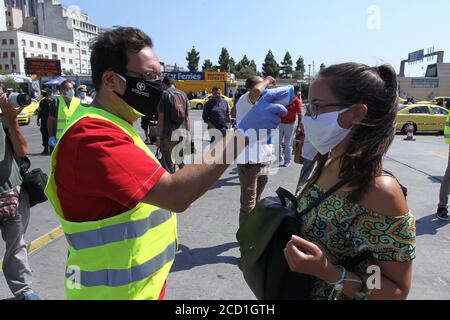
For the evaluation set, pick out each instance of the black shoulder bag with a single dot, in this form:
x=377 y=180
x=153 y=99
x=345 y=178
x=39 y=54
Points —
x=34 y=182
x=263 y=238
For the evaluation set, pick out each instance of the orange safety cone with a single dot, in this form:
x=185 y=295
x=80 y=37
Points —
x=410 y=133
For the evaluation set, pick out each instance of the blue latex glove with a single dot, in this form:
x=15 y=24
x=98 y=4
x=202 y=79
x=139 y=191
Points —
x=264 y=115
x=52 y=142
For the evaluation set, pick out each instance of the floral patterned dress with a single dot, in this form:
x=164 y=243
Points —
x=344 y=230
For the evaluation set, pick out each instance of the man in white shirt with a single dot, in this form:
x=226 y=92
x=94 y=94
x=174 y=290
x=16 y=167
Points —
x=253 y=163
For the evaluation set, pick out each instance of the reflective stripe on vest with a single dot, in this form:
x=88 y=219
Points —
x=64 y=114
x=119 y=278
x=124 y=257
x=117 y=233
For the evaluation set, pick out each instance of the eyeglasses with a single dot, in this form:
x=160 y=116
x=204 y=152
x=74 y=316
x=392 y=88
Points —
x=148 y=76
x=312 y=109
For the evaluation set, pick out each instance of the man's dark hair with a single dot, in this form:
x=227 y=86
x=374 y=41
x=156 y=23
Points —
x=168 y=81
x=110 y=51
x=297 y=89
x=215 y=89
x=65 y=83
x=252 y=82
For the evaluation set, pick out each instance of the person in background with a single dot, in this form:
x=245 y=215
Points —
x=253 y=164
x=350 y=121
x=442 y=211
x=217 y=112
x=61 y=111
x=82 y=92
x=288 y=126
x=14 y=204
x=42 y=119
x=173 y=114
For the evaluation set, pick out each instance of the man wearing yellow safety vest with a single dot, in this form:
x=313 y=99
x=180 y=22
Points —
x=442 y=212
x=63 y=108
x=114 y=200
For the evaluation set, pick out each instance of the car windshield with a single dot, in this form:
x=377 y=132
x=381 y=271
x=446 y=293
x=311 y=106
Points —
x=401 y=107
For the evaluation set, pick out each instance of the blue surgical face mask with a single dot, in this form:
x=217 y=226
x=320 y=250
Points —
x=70 y=94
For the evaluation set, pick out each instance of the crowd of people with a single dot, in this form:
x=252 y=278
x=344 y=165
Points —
x=126 y=218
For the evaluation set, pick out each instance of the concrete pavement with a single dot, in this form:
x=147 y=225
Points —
x=206 y=266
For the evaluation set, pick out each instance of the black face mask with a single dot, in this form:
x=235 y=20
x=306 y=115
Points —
x=143 y=96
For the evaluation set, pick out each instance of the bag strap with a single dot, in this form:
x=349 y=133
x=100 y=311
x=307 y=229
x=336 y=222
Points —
x=388 y=173
x=23 y=163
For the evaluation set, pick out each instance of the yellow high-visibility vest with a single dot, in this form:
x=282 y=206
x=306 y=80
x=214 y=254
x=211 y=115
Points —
x=64 y=114
x=126 y=257
x=447 y=130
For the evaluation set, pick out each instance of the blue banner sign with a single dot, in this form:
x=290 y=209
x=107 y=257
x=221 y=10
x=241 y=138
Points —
x=185 y=76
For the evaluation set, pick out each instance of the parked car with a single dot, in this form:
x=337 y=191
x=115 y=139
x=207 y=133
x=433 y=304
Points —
x=200 y=103
x=423 y=117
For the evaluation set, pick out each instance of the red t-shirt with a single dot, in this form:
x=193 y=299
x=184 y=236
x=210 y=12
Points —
x=103 y=173
x=293 y=109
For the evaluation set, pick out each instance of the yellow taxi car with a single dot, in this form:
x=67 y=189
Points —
x=442 y=102
x=27 y=113
x=423 y=117
x=200 y=103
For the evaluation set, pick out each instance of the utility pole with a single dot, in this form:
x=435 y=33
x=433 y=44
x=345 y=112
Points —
x=309 y=66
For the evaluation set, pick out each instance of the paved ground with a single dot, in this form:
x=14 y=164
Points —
x=206 y=266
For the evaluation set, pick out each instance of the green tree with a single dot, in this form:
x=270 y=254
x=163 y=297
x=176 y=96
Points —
x=287 y=66
x=300 y=69
x=176 y=68
x=224 y=60
x=9 y=83
x=207 y=66
x=232 y=64
x=193 y=59
x=253 y=66
x=244 y=63
x=68 y=72
x=270 y=66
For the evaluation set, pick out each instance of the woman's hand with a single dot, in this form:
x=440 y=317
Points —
x=307 y=258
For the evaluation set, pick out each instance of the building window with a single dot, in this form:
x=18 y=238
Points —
x=6 y=66
x=70 y=50
x=83 y=52
x=425 y=83
x=11 y=42
x=14 y=67
x=54 y=57
x=54 y=47
x=39 y=45
x=32 y=55
x=46 y=57
x=63 y=60
x=63 y=49
x=32 y=44
x=24 y=43
x=4 y=41
x=1 y=67
x=13 y=54
x=46 y=46
x=70 y=61
x=5 y=55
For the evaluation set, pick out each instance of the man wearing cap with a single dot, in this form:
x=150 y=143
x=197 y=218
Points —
x=82 y=93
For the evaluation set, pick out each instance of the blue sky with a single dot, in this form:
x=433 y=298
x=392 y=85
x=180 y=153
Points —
x=328 y=31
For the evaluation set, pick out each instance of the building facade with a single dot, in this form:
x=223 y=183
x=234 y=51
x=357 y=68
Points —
x=436 y=83
x=15 y=46
x=69 y=24
x=2 y=16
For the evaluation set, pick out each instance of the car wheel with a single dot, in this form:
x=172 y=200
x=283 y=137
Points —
x=199 y=106
x=405 y=128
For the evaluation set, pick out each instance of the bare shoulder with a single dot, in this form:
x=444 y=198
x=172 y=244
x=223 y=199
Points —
x=385 y=196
